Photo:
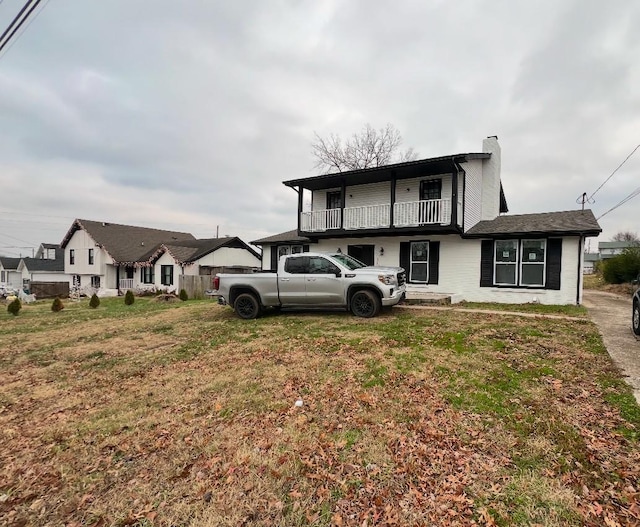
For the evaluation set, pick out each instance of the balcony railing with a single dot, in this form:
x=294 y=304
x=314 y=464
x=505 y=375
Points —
x=367 y=217
x=425 y=212
x=408 y=214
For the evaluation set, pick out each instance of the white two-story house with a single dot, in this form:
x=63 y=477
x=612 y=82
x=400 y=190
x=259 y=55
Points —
x=444 y=220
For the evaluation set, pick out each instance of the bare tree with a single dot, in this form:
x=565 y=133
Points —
x=366 y=149
x=626 y=236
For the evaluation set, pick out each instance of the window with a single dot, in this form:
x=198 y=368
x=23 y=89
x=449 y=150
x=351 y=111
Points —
x=146 y=275
x=4 y=276
x=419 y=264
x=72 y=256
x=95 y=282
x=520 y=263
x=26 y=283
x=319 y=265
x=166 y=274
x=298 y=265
x=77 y=282
x=505 y=262
x=532 y=268
x=90 y=256
x=334 y=200
x=430 y=189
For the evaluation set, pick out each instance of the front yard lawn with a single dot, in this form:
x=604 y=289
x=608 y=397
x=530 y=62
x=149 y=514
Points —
x=184 y=415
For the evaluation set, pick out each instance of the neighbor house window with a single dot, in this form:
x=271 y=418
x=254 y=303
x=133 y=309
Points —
x=90 y=256
x=72 y=256
x=95 y=282
x=419 y=264
x=520 y=262
x=166 y=275
x=4 y=276
x=146 y=275
x=76 y=280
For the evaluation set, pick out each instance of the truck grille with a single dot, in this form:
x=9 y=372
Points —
x=402 y=278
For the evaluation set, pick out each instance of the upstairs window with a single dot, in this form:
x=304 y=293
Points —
x=72 y=256
x=430 y=189
x=90 y=256
x=334 y=200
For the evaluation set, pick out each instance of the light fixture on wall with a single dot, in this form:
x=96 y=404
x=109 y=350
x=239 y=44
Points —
x=381 y=251
x=339 y=251
x=350 y=195
x=408 y=190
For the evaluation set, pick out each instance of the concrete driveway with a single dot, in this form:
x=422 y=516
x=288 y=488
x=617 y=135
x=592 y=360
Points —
x=612 y=314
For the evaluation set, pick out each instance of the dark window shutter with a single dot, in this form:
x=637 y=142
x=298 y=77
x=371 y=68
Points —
x=486 y=263
x=554 y=262
x=305 y=248
x=405 y=257
x=434 y=261
x=274 y=258
x=142 y=275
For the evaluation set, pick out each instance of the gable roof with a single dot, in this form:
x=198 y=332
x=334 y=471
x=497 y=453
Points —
x=45 y=264
x=283 y=237
x=571 y=222
x=10 y=264
x=187 y=251
x=407 y=169
x=124 y=243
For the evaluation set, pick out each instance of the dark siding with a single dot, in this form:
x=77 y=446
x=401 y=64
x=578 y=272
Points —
x=554 y=262
x=434 y=262
x=405 y=257
x=486 y=263
x=274 y=258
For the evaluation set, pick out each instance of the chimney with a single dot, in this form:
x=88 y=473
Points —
x=491 y=178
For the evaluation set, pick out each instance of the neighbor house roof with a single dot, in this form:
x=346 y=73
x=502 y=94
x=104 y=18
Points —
x=591 y=257
x=283 y=237
x=44 y=264
x=187 y=251
x=10 y=263
x=571 y=222
x=617 y=245
x=124 y=243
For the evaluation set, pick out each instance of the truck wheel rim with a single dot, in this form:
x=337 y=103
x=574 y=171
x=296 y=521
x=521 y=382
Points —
x=636 y=317
x=363 y=304
x=245 y=307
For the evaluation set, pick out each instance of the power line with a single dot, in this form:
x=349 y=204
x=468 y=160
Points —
x=24 y=19
x=13 y=22
x=633 y=194
x=612 y=173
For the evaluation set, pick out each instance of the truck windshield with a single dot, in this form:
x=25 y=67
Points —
x=348 y=261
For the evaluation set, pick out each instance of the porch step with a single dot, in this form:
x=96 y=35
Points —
x=423 y=297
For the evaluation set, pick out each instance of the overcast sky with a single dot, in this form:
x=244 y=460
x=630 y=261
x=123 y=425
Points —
x=189 y=115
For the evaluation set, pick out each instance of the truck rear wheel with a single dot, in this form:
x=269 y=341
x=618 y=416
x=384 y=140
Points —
x=247 y=306
x=635 y=318
x=365 y=304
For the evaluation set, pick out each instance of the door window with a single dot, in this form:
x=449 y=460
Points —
x=419 y=262
x=298 y=265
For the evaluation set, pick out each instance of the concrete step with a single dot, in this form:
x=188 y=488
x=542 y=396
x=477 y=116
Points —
x=423 y=297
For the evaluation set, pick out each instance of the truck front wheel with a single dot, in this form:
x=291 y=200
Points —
x=365 y=304
x=247 y=306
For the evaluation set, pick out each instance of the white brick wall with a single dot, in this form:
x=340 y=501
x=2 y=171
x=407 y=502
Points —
x=473 y=193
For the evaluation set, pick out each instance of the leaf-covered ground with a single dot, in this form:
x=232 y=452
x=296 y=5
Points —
x=183 y=415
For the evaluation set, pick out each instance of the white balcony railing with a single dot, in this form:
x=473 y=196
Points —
x=126 y=283
x=409 y=214
x=320 y=220
x=367 y=217
x=425 y=212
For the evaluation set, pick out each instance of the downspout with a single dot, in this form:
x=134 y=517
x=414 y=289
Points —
x=459 y=170
x=393 y=198
x=579 y=276
x=453 y=220
x=299 y=191
x=118 y=278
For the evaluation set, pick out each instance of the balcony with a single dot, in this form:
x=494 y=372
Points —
x=406 y=214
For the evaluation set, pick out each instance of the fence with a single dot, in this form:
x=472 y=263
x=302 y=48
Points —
x=49 y=289
x=195 y=286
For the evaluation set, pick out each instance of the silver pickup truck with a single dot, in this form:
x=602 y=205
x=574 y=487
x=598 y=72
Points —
x=313 y=280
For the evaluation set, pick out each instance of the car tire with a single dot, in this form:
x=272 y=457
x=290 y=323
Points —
x=635 y=318
x=365 y=304
x=247 y=306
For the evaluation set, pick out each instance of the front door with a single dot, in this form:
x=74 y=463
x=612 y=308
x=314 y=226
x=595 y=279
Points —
x=364 y=253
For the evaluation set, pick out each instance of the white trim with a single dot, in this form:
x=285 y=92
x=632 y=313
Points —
x=544 y=262
x=425 y=262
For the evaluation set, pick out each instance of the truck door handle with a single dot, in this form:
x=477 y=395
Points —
x=311 y=279
x=284 y=279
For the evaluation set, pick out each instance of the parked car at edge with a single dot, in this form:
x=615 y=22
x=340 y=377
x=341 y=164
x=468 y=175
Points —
x=309 y=280
x=635 y=310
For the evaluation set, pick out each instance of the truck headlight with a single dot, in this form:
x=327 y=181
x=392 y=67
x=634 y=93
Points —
x=387 y=279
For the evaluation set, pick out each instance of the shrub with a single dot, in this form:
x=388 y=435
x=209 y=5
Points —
x=183 y=295
x=129 y=298
x=57 y=305
x=14 y=307
x=94 y=302
x=622 y=268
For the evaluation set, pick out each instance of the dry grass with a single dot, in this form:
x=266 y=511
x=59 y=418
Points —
x=183 y=415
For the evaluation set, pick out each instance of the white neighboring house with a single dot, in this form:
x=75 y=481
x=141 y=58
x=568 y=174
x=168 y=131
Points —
x=113 y=258
x=608 y=250
x=46 y=266
x=9 y=274
x=443 y=220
